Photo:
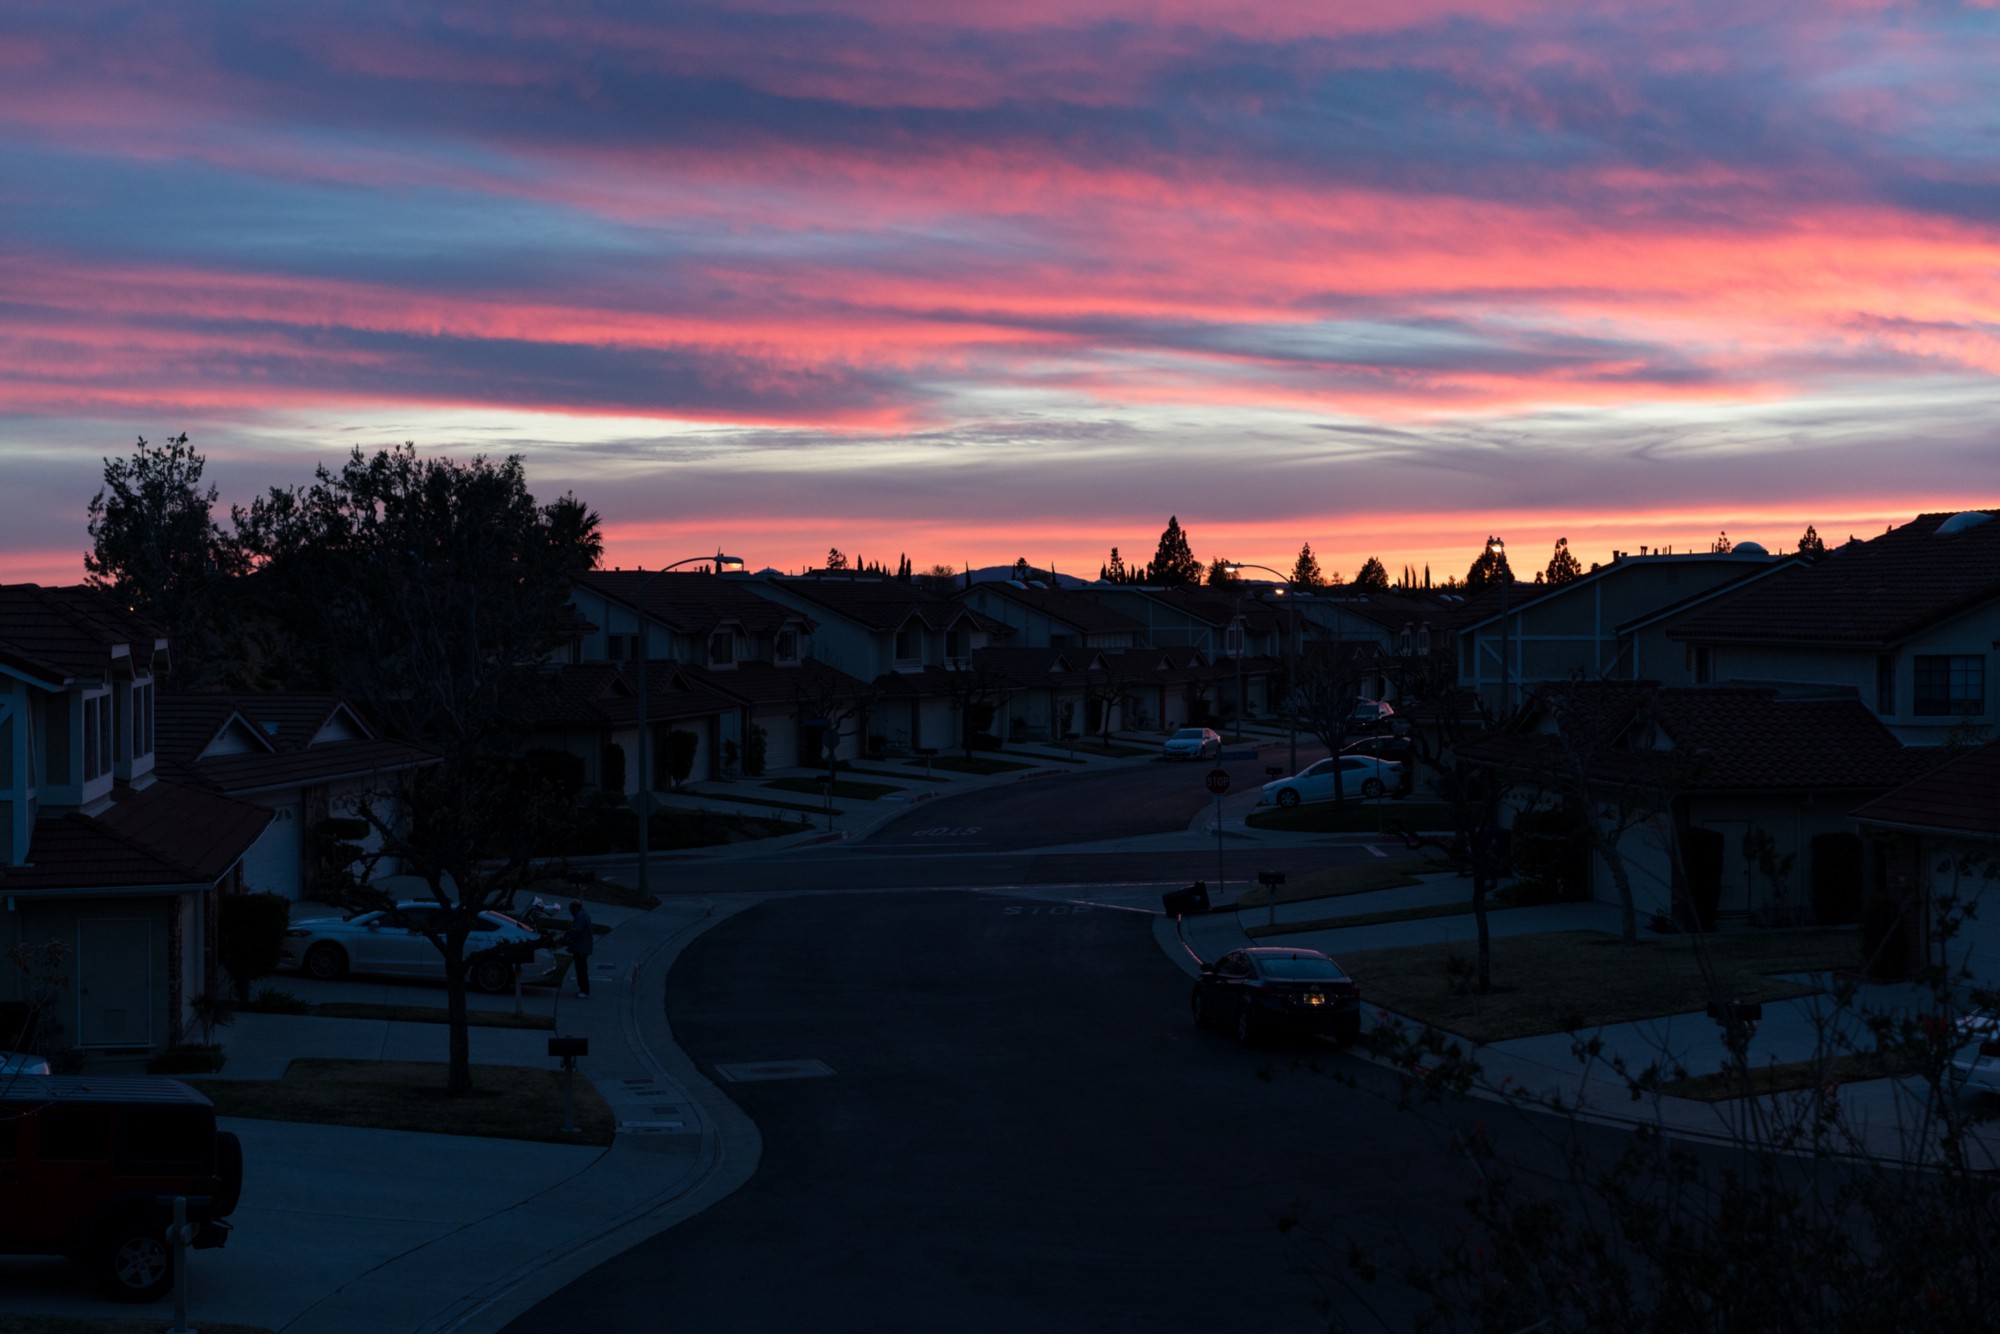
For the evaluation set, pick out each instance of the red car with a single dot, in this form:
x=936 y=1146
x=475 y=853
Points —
x=1266 y=991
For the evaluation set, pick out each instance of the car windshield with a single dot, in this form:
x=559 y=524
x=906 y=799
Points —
x=1188 y=734
x=1300 y=968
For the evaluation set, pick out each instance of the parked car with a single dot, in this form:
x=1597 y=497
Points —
x=1358 y=776
x=21 y=1063
x=88 y=1168
x=1266 y=990
x=1370 y=717
x=392 y=943
x=1192 y=743
x=1975 y=1066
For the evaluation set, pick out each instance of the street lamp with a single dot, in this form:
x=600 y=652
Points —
x=730 y=564
x=1292 y=606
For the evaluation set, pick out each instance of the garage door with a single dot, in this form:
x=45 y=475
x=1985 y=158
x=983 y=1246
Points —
x=114 y=988
x=272 y=864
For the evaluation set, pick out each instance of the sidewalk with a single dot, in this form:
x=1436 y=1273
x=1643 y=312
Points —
x=1881 y=1111
x=342 y=1229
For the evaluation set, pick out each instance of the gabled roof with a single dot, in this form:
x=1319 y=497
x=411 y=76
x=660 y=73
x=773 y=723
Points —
x=71 y=633
x=284 y=721
x=754 y=682
x=166 y=836
x=1076 y=610
x=1036 y=666
x=1960 y=796
x=1877 y=592
x=692 y=603
x=1525 y=595
x=879 y=604
x=280 y=753
x=1391 y=611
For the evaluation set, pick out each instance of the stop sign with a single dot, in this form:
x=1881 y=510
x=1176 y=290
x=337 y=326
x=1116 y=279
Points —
x=1218 y=781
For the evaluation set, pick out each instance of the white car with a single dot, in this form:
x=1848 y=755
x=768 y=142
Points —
x=1975 y=1066
x=1192 y=743
x=392 y=943
x=1359 y=776
x=21 y=1063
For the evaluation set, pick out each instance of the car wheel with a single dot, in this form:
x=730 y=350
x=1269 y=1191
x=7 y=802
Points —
x=1248 y=1030
x=228 y=1174
x=137 y=1263
x=492 y=976
x=326 y=962
x=1199 y=1006
x=1372 y=787
x=1288 y=796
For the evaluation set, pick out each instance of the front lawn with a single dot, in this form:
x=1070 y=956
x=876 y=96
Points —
x=843 y=789
x=506 y=1102
x=1365 y=919
x=1571 y=980
x=1791 y=1076
x=1354 y=816
x=1333 y=882
x=958 y=764
x=429 y=1014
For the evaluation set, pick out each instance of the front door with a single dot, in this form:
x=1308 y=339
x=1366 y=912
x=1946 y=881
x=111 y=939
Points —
x=114 y=972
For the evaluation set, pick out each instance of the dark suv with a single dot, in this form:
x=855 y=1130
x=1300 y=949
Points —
x=89 y=1169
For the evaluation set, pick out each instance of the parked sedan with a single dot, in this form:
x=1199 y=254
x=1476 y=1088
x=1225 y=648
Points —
x=1264 y=991
x=1192 y=743
x=1358 y=776
x=392 y=943
x=1975 y=1066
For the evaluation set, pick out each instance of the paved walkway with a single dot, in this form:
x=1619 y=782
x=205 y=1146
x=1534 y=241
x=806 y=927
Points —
x=1883 y=1114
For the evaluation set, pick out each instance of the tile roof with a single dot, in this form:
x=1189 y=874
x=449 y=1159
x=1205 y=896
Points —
x=1875 y=592
x=164 y=835
x=605 y=694
x=1072 y=608
x=1959 y=796
x=70 y=632
x=880 y=604
x=336 y=760
x=287 y=721
x=755 y=682
x=691 y=602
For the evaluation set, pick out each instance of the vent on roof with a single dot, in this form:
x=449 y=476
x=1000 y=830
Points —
x=1749 y=549
x=1958 y=523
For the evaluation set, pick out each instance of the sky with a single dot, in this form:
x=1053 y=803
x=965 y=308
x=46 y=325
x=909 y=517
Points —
x=969 y=283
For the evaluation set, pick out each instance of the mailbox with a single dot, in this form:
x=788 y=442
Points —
x=1186 y=902
x=569 y=1047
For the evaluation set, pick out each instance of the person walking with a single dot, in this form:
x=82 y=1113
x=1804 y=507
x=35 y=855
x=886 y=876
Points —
x=580 y=941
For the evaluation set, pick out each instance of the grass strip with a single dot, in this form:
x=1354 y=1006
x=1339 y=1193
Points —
x=1366 y=919
x=1353 y=816
x=1567 y=981
x=429 y=1014
x=960 y=765
x=781 y=805
x=1334 y=882
x=891 y=773
x=506 y=1101
x=1791 y=1076
x=849 y=791
x=105 y=1324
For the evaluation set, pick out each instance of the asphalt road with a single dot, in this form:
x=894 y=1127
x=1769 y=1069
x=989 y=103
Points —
x=1022 y=1131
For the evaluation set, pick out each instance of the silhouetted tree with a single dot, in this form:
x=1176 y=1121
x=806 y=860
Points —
x=1174 y=564
x=1491 y=567
x=1305 y=570
x=1722 y=546
x=1219 y=572
x=938 y=580
x=156 y=547
x=1563 y=567
x=1113 y=571
x=1372 y=576
x=1810 y=545
x=835 y=559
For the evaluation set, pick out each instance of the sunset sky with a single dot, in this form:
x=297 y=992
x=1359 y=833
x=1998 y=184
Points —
x=977 y=282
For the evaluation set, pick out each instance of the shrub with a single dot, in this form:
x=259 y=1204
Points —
x=250 y=936
x=1836 y=878
x=614 y=768
x=1884 y=938
x=681 y=747
x=275 y=1000
x=335 y=847
x=1701 y=855
x=1550 y=859
x=754 y=750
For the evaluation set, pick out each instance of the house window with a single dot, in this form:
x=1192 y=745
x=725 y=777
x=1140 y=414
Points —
x=91 y=768
x=618 y=648
x=722 y=647
x=906 y=645
x=788 y=645
x=957 y=642
x=1885 y=684
x=104 y=734
x=121 y=722
x=1424 y=640
x=1704 y=665
x=1950 y=685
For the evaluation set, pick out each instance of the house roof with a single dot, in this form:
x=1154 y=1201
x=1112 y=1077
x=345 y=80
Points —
x=1746 y=564
x=1391 y=611
x=1712 y=738
x=1960 y=796
x=755 y=682
x=186 y=723
x=605 y=694
x=1077 y=610
x=879 y=604
x=334 y=761
x=1876 y=592
x=163 y=836
x=283 y=726
x=69 y=633
x=691 y=602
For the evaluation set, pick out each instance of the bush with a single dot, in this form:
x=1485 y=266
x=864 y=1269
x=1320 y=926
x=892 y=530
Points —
x=1836 y=878
x=275 y=1000
x=754 y=749
x=1550 y=858
x=1701 y=854
x=250 y=936
x=614 y=768
x=681 y=747
x=1884 y=938
x=985 y=741
x=335 y=847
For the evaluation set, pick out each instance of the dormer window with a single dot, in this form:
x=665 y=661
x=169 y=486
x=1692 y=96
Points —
x=722 y=648
x=907 y=649
x=957 y=642
x=787 y=647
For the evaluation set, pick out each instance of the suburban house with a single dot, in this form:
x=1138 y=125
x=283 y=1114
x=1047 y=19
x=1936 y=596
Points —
x=1727 y=789
x=98 y=855
x=307 y=758
x=1579 y=630
x=1933 y=850
x=591 y=711
x=1907 y=622
x=1052 y=617
x=907 y=645
x=1234 y=642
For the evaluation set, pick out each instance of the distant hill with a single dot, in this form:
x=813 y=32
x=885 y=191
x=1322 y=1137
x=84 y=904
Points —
x=1000 y=574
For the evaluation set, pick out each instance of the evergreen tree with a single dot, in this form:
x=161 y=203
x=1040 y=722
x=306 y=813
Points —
x=1563 y=567
x=1305 y=570
x=1810 y=545
x=1722 y=546
x=834 y=559
x=1174 y=564
x=1113 y=571
x=1373 y=576
x=1219 y=572
x=1491 y=567
x=1022 y=571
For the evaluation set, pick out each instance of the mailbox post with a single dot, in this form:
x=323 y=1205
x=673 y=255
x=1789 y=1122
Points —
x=1217 y=781
x=1270 y=880
x=569 y=1049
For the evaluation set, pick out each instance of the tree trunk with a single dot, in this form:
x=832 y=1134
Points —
x=459 y=1080
x=1628 y=913
x=1479 y=887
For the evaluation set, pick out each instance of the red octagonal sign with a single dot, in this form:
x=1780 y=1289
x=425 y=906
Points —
x=1218 y=781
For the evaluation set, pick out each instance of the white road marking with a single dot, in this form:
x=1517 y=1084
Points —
x=1377 y=851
